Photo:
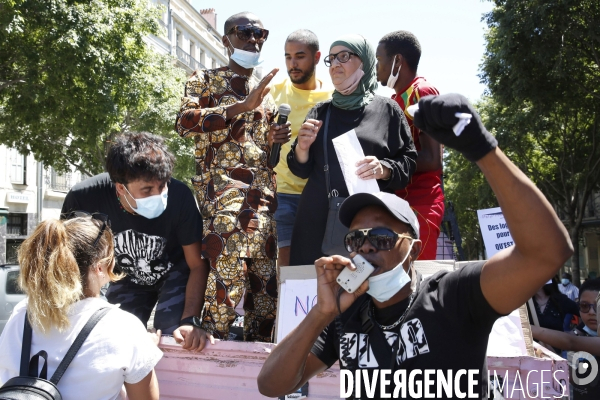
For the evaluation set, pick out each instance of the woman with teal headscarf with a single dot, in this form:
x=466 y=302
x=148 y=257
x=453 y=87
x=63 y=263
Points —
x=381 y=129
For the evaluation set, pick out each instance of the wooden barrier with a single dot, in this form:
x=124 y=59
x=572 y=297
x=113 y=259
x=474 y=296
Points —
x=226 y=370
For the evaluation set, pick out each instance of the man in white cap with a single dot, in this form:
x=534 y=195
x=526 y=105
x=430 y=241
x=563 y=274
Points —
x=396 y=322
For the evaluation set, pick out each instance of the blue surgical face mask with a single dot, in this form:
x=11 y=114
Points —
x=590 y=331
x=149 y=207
x=245 y=59
x=383 y=286
x=565 y=281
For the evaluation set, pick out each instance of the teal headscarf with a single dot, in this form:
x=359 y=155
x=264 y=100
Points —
x=365 y=91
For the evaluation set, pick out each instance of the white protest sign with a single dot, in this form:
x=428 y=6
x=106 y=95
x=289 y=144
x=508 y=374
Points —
x=297 y=297
x=494 y=230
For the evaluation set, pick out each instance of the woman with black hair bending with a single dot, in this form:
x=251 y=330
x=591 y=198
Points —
x=63 y=266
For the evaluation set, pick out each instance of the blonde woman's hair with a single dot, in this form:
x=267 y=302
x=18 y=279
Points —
x=55 y=261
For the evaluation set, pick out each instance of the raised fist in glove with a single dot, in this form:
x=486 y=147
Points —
x=436 y=117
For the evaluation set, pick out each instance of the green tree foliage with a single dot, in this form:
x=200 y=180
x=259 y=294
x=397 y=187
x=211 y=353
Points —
x=74 y=73
x=466 y=187
x=542 y=69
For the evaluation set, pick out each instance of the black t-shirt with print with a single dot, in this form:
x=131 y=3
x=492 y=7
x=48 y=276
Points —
x=145 y=249
x=446 y=328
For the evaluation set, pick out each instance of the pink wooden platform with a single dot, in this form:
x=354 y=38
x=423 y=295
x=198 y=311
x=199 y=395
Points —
x=228 y=371
x=225 y=371
x=552 y=365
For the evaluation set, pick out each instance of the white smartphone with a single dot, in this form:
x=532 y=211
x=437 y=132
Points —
x=351 y=280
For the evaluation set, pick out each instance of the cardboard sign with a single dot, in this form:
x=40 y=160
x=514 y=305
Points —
x=494 y=230
x=297 y=297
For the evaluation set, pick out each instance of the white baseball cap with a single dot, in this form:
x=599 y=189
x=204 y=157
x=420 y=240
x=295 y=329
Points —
x=394 y=204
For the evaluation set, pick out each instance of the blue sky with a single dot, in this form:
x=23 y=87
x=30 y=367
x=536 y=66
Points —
x=451 y=32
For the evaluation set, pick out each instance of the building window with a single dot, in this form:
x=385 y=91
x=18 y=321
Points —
x=17 y=224
x=12 y=285
x=214 y=64
x=58 y=181
x=202 y=58
x=192 y=45
x=12 y=248
x=178 y=38
x=18 y=167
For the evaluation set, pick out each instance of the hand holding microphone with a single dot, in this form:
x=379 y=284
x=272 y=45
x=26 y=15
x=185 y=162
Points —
x=279 y=133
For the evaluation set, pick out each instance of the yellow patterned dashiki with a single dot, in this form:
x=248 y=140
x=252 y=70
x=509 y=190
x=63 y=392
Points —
x=235 y=187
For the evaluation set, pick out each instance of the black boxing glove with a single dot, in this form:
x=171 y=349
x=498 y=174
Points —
x=436 y=117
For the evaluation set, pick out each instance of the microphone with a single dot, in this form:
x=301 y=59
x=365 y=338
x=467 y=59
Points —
x=284 y=111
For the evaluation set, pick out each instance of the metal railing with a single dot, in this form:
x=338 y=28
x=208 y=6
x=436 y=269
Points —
x=188 y=59
x=59 y=182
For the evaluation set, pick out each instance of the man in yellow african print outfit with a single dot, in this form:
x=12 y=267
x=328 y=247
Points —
x=231 y=116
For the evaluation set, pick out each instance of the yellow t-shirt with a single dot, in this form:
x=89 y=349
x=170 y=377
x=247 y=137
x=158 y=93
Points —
x=301 y=101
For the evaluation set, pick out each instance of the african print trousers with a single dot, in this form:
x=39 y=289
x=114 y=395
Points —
x=228 y=278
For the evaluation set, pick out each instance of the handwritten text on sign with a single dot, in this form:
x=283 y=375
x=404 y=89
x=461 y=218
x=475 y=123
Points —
x=303 y=307
x=297 y=298
x=494 y=230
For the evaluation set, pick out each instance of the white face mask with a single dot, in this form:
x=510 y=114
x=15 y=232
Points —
x=383 y=286
x=565 y=281
x=245 y=59
x=393 y=78
x=149 y=207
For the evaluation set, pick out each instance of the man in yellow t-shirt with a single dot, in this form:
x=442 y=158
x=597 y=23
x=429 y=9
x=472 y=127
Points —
x=301 y=91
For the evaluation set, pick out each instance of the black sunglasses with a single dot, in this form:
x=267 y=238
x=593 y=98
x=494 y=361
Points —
x=585 y=307
x=343 y=57
x=97 y=216
x=380 y=238
x=243 y=32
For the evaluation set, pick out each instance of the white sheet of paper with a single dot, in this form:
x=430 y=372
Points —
x=506 y=338
x=349 y=152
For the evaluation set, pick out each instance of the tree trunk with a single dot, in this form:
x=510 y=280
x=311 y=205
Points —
x=574 y=234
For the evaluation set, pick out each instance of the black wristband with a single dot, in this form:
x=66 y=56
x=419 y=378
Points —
x=194 y=321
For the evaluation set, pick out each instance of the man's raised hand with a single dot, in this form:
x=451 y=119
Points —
x=257 y=95
x=436 y=117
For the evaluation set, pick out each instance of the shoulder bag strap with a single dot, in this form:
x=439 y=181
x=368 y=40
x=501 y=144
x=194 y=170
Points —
x=25 y=347
x=64 y=364
x=326 y=167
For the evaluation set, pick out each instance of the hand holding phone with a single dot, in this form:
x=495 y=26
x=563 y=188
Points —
x=351 y=280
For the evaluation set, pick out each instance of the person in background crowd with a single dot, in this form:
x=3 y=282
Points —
x=442 y=323
x=302 y=91
x=554 y=310
x=381 y=130
x=398 y=55
x=567 y=288
x=230 y=115
x=63 y=266
x=583 y=338
x=158 y=232
x=587 y=309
